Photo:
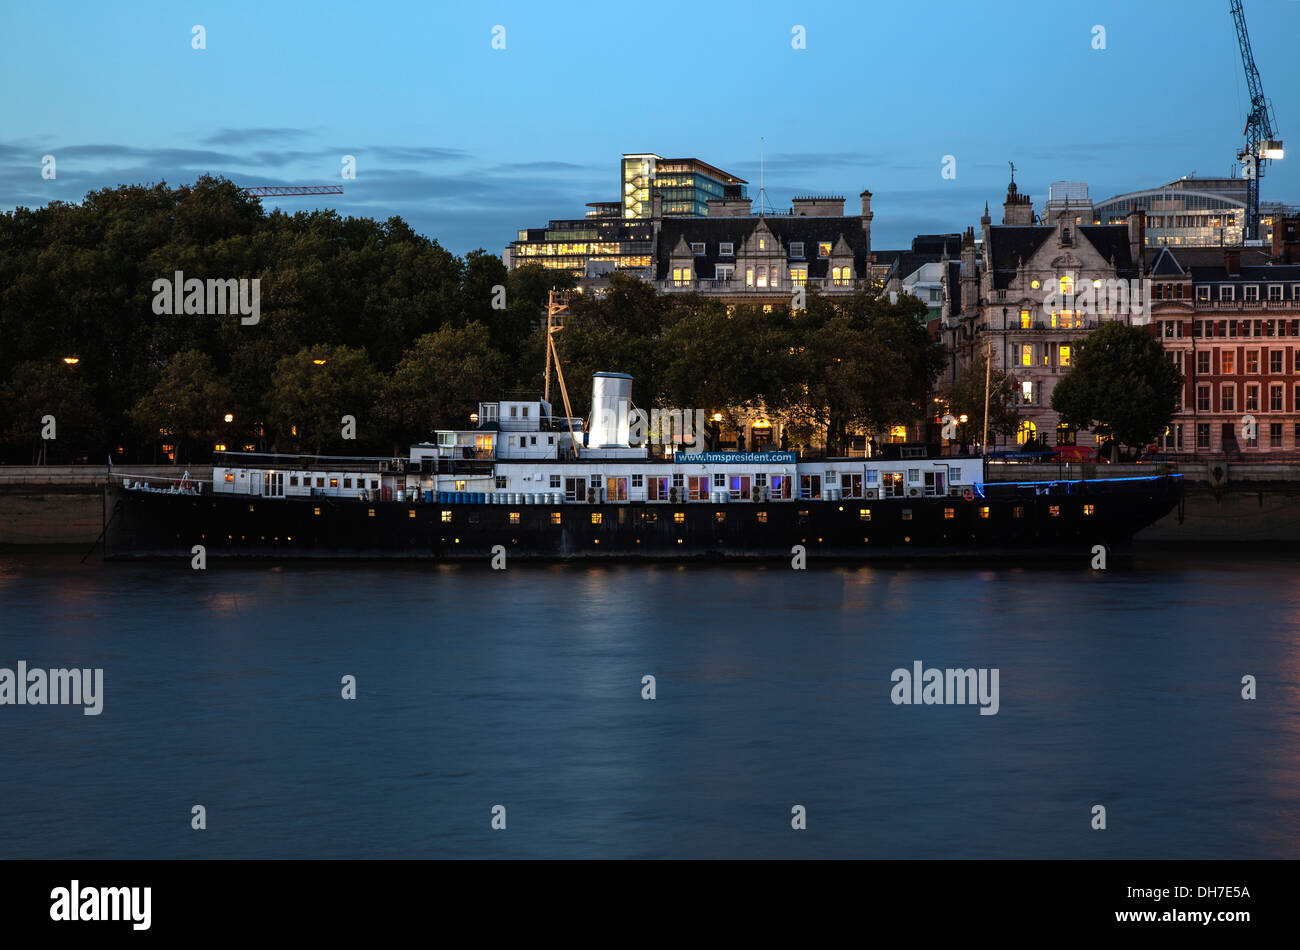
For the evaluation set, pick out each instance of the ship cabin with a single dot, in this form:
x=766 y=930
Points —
x=518 y=452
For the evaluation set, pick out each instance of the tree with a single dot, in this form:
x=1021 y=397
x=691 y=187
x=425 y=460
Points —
x=313 y=390
x=1122 y=384
x=188 y=404
x=440 y=381
x=966 y=397
x=41 y=389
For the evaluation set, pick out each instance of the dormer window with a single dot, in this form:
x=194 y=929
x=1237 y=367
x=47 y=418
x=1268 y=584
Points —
x=823 y=248
x=1202 y=293
x=762 y=244
x=796 y=250
x=1226 y=293
x=697 y=248
x=726 y=249
x=1252 y=293
x=1067 y=284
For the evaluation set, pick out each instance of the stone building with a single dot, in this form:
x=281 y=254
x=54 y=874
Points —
x=1027 y=291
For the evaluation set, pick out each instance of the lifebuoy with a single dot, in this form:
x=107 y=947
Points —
x=968 y=495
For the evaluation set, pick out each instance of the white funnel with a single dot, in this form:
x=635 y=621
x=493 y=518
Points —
x=611 y=401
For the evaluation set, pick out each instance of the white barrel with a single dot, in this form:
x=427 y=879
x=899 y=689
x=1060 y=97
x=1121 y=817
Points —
x=401 y=494
x=530 y=498
x=492 y=498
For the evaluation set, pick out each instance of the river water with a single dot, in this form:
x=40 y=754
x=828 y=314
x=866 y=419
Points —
x=524 y=689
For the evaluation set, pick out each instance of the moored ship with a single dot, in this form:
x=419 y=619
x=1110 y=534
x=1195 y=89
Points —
x=532 y=484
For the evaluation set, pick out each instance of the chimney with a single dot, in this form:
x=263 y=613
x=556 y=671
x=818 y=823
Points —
x=1137 y=234
x=1232 y=261
x=1286 y=240
x=728 y=207
x=867 y=215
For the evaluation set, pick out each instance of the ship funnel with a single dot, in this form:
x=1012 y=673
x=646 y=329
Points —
x=611 y=402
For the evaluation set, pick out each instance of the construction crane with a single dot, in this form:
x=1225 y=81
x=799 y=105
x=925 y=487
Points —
x=277 y=191
x=1262 y=143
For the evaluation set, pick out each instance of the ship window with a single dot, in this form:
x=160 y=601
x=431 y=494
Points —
x=719 y=480
x=555 y=517
x=446 y=516
x=460 y=485
x=293 y=481
x=762 y=517
x=334 y=483
x=525 y=412
x=719 y=516
x=864 y=514
x=320 y=481
x=679 y=517
x=502 y=482
x=411 y=513
x=230 y=476
x=315 y=511
x=907 y=514
x=555 y=482
x=514 y=517
x=984 y=512
x=1054 y=511
x=1018 y=511
x=638 y=481
x=1089 y=509
x=595 y=517
x=347 y=482
x=371 y=513
x=949 y=514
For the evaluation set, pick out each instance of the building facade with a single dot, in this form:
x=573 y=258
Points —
x=619 y=235
x=1026 y=296
x=1233 y=330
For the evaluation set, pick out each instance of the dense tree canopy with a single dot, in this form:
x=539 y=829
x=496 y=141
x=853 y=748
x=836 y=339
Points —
x=368 y=319
x=1122 y=385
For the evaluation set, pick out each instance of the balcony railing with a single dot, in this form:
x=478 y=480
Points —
x=738 y=285
x=1270 y=305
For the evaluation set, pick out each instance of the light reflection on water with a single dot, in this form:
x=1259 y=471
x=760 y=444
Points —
x=523 y=687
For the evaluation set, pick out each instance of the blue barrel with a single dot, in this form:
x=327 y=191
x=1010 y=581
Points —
x=478 y=498
x=428 y=497
x=460 y=498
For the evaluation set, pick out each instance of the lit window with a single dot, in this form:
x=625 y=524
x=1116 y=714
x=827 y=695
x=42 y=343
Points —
x=555 y=517
x=1089 y=509
x=949 y=514
x=334 y=483
x=984 y=512
x=446 y=517
x=719 y=516
x=762 y=517
x=1024 y=320
x=1065 y=355
x=514 y=517
x=1018 y=511
x=230 y=476
x=411 y=513
x=315 y=511
x=824 y=249
x=679 y=517
x=595 y=517
x=1054 y=511
x=864 y=514
x=1067 y=285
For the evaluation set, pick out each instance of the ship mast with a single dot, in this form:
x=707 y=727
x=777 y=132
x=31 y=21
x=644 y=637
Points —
x=556 y=305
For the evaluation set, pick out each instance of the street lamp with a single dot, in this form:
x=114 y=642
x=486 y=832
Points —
x=319 y=362
x=72 y=360
x=229 y=418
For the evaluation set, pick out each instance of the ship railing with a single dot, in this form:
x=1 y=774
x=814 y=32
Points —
x=310 y=463
x=164 y=484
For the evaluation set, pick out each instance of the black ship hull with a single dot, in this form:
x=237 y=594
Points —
x=1009 y=520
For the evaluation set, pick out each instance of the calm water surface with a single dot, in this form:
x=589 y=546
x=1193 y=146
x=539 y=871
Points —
x=523 y=688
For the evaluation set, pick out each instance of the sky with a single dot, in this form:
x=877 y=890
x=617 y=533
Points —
x=470 y=143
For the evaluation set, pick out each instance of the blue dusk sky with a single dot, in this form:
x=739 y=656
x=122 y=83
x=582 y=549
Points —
x=469 y=143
